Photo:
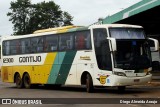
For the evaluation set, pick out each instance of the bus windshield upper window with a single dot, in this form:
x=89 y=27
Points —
x=127 y=33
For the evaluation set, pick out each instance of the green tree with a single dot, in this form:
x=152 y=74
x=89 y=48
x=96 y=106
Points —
x=37 y=16
x=67 y=18
x=20 y=15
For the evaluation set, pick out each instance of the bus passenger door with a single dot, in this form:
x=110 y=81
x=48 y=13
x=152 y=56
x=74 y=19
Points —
x=102 y=54
x=102 y=49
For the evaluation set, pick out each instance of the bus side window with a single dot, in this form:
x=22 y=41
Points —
x=66 y=42
x=83 y=40
x=6 y=48
x=40 y=45
x=34 y=45
x=51 y=43
x=80 y=42
x=18 y=47
x=25 y=46
x=37 y=44
x=88 y=40
x=15 y=47
x=12 y=47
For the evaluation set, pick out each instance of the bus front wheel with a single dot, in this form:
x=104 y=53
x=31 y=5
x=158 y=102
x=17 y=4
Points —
x=89 y=84
x=27 y=81
x=121 y=89
x=18 y=81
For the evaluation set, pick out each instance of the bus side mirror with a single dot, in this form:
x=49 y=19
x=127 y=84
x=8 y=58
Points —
x=156 y=44
x=113 y=43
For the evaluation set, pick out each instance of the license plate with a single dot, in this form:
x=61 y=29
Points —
x=136 y=80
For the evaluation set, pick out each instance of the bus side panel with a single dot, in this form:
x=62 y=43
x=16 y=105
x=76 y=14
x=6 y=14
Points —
x=72 y=76
x=7 y=74
x=54 y=68
x=85 y=63
x=54 y=72
x=60 y=71
x=69 y=68
x=41 y=73
x=65 y=69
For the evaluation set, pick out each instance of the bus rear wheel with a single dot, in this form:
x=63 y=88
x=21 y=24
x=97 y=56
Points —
x=18 y=81
x=89 y=84
x=27 y=81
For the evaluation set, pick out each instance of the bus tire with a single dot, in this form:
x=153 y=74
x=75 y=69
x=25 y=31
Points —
x=18 y=81
x=121 y=89
x=27 y=81
x=89 y=84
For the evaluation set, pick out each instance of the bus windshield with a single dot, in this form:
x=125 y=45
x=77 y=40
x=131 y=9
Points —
x=132 y=54
x=127 y=33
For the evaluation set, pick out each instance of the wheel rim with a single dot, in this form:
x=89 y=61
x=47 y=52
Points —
x=27 y=80
x=18 y=81
x=87 y=84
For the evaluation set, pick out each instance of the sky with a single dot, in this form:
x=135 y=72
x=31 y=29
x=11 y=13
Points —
x=84 y=12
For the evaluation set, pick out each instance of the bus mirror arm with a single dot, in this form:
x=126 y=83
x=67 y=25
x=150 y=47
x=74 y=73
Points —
x=113 y=43
x=156 y=44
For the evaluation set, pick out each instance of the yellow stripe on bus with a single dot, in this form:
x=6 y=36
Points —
x=48 y=66
x=43 y=71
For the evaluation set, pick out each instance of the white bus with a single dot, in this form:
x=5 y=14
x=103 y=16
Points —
x=98 y=55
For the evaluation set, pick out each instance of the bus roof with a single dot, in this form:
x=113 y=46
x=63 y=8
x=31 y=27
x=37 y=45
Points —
x=115 y=25
x=66 y=29
x=58 y=29
x=80 y=28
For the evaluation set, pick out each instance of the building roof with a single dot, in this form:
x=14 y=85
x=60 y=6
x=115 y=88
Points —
x=132 y=10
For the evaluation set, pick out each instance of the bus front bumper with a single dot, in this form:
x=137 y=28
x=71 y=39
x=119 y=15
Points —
x=126 y=81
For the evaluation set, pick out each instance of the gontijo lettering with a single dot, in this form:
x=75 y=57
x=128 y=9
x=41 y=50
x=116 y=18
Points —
x=30 y=59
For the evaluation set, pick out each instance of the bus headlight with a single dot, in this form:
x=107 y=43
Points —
x=148 y=73
x=120 y=73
